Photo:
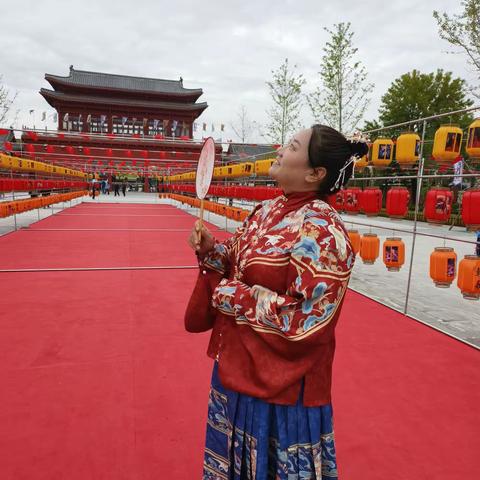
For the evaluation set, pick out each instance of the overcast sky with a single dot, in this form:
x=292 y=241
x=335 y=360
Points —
x=227 y=48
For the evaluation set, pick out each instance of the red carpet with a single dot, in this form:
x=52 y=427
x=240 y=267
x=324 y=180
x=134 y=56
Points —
x=99 y=380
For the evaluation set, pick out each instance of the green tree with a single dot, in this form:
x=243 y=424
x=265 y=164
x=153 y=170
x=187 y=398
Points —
x=343 y=96
x=463 y=32
x=417 y=95
x=286 y=91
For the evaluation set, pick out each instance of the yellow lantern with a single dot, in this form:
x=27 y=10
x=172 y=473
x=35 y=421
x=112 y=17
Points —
x=473 y=142
x=393 y=254
x=468 y=279
x=355 y=240
x=369 y=248
x=382 y=153
x=447 y=143
x=443 y=265
x=363 y=162
x=408 y=149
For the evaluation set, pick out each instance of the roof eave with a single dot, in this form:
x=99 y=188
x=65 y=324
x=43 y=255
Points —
x=55 y=80
x=53 y=98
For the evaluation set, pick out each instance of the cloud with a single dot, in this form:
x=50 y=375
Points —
x=226 y=48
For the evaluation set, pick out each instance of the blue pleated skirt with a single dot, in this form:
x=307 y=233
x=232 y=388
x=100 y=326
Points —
x=248 y=438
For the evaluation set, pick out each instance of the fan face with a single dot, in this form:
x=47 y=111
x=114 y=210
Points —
x=205 y=168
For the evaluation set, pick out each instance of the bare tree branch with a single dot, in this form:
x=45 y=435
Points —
x=286 y=93
x=6 y=102
x=243 y=127
x=463 y=31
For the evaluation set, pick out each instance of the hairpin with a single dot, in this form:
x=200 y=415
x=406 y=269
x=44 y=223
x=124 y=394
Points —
x=341 y=175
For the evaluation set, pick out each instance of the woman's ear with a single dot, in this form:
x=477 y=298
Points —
x=315 y=175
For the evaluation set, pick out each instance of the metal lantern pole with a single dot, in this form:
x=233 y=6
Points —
x=417 y=203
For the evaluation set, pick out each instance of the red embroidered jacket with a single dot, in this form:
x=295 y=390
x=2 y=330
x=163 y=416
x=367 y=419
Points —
x=286 y=271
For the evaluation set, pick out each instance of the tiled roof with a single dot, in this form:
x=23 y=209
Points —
x=53 y=97
x=122 y=82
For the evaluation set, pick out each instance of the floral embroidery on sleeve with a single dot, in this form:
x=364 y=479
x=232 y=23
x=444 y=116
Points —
x=321 y=262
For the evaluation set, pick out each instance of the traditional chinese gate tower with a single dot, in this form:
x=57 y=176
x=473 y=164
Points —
x=118 y=124
x=104 y=103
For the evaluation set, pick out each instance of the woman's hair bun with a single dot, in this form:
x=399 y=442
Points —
x=358 y=148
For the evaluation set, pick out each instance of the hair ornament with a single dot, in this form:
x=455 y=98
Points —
x=341 y=175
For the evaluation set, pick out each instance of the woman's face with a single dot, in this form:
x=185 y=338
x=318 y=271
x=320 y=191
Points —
x=291 y=169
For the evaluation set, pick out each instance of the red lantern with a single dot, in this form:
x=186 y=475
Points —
x=134 y=162
x=471 y=208
x=144 y=153
x=397 y=202
x=128 y=153
x=70 y=150
x=8 y=146
x=86 y=151
x=61 y=135
x=109 y=152
x=50 y=149
x=159 y=136
x=30 y=148
x=438 y=205
x=337 y=200
x=136 y=135
x=371 y=200
x=163 y=154
x=32 y=136
x=352 y=196
x=110 y=135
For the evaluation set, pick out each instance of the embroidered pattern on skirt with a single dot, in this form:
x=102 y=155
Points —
x=249 y=439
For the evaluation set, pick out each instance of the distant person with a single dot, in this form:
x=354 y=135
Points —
x=116 y=188
x=124 y=187
x=107 y=187
x=94 y=181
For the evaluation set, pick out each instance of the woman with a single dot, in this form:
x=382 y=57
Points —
x=277 y=287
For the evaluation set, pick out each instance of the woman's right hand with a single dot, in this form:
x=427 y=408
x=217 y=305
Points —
x=201 y=240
